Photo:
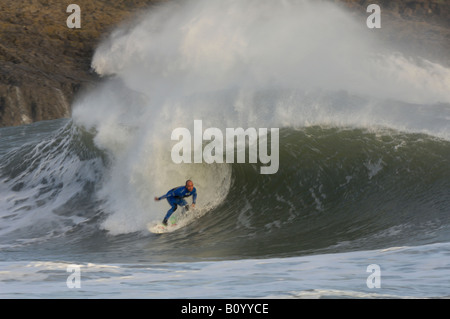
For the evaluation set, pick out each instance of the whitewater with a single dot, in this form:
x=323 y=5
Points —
x=363 y=178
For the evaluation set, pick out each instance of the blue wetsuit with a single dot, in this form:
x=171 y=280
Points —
x=176 y=197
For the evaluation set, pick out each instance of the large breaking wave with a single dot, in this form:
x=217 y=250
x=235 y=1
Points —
x=364 y=136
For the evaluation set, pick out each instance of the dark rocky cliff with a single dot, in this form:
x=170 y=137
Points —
x=43 y=63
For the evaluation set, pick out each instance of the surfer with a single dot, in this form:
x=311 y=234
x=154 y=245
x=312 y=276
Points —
x=176 y=197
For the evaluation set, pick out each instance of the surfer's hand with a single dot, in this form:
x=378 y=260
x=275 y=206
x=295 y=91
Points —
x=193 y=205
x=156 y=199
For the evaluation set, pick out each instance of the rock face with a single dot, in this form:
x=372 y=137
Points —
x=43 y=63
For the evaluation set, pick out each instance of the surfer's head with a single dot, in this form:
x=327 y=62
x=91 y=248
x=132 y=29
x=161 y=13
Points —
x=189 y=185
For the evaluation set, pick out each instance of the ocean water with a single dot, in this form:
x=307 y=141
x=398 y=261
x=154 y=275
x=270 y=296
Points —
x=359 y=207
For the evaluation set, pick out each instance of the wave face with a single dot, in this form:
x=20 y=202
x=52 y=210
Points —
x=337 y=189
x=364 y=139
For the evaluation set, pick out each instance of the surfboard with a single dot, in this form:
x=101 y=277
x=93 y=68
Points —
x=160 y=228
x=175 y=221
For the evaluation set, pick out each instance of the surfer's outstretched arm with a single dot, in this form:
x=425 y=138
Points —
x=162 y=197
x=174 y=192
x=168 y=195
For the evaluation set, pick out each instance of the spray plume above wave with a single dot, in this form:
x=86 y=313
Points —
x=205 y=46
x=262 y=64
